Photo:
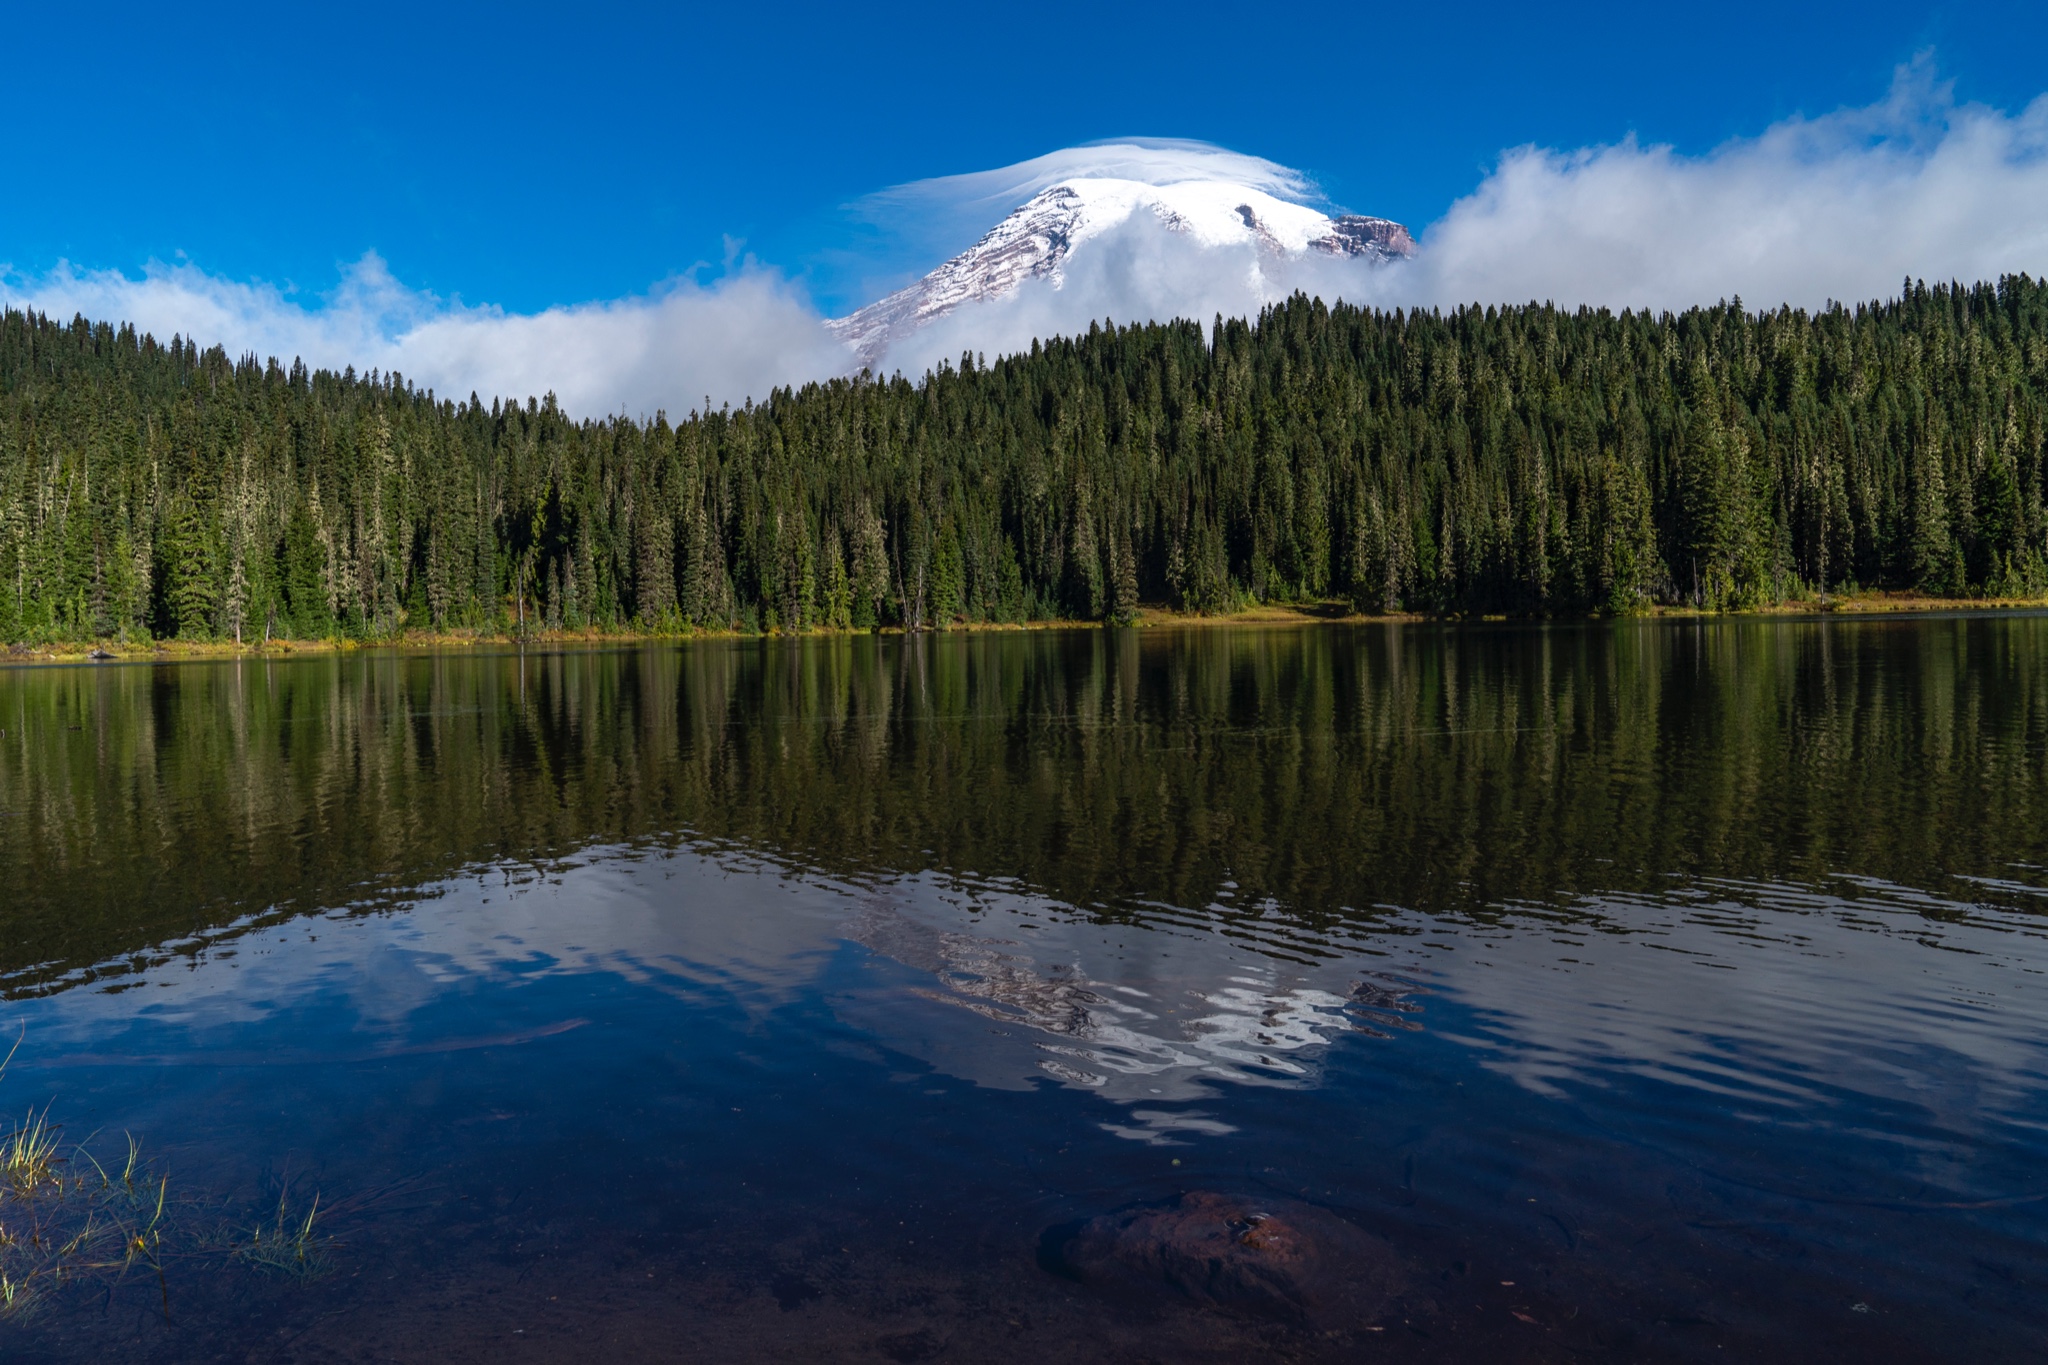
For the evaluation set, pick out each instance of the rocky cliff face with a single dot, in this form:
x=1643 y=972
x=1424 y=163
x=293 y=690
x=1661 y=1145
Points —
x=1353 y=234
x=1037 y=240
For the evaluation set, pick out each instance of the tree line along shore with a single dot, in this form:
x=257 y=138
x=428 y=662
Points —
x=1499 y=461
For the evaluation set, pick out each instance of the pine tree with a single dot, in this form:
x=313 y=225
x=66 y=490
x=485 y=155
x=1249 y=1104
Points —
x=1932 y=552
x=304 y=575
x=1477 y=460
x=948 y=580
x=191 y=572
x=1123 y=584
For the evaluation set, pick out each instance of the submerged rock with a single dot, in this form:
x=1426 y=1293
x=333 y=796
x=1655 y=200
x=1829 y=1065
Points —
x=1273 y=1258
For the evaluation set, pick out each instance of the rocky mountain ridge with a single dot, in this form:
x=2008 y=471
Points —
x=1037 y=240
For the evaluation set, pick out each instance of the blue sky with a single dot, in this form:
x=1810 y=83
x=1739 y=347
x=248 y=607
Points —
x=638 y=208
x=526 y=156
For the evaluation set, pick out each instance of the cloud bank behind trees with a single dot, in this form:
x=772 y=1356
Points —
x=1839 y=207
x=1842 y=206
x=743 y=333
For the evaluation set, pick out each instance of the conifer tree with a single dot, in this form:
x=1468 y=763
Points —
x=1476 y=460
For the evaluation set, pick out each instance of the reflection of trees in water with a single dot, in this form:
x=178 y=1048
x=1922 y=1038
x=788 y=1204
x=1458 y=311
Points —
x=1276 y=782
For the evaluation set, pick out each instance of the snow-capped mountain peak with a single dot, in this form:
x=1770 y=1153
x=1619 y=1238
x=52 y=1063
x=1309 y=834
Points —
x=1038 y=238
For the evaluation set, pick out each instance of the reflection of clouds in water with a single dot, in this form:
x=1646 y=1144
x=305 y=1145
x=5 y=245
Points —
x=1777 y=997
x=1158 y=1127
x=1785 y=1002
x=1151 y=1025
x=675 y=921
x=1127 y=1042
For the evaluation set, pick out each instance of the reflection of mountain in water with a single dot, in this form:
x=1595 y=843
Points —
x=1126 y=1041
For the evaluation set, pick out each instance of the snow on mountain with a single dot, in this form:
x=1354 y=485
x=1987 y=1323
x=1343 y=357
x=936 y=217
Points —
x=1036 y=241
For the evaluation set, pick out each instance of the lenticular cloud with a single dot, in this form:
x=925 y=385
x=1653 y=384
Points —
x=1837 y=207
x=931 y=219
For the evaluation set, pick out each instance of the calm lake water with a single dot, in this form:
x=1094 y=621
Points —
x=1647 y=990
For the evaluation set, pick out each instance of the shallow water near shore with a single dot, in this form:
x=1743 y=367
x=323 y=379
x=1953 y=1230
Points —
x=1661 y=990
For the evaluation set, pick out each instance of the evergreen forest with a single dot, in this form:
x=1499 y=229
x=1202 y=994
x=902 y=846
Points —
x=1523 y=460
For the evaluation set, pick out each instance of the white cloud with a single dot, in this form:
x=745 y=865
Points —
x=738 y=336
x=985 y=196
x=1841 y=206
x=1134 y=271
x=905 y=230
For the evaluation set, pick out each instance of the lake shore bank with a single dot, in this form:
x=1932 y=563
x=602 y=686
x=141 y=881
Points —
x=1151 y=617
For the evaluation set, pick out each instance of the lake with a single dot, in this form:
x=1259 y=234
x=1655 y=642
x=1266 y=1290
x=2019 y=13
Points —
x=1635 y=990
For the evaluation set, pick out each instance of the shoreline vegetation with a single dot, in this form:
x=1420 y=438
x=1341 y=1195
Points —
x=70 y=1221
x=1150 y=617
x=1319 y=460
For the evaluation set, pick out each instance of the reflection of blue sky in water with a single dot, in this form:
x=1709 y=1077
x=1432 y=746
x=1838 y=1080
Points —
x=1163 y=948
x=1848 y=1085
x=1764 y=992
x=1790 y=1005
x=1130 y=1013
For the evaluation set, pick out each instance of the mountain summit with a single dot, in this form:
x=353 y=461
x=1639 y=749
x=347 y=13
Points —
x=1036 y=240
